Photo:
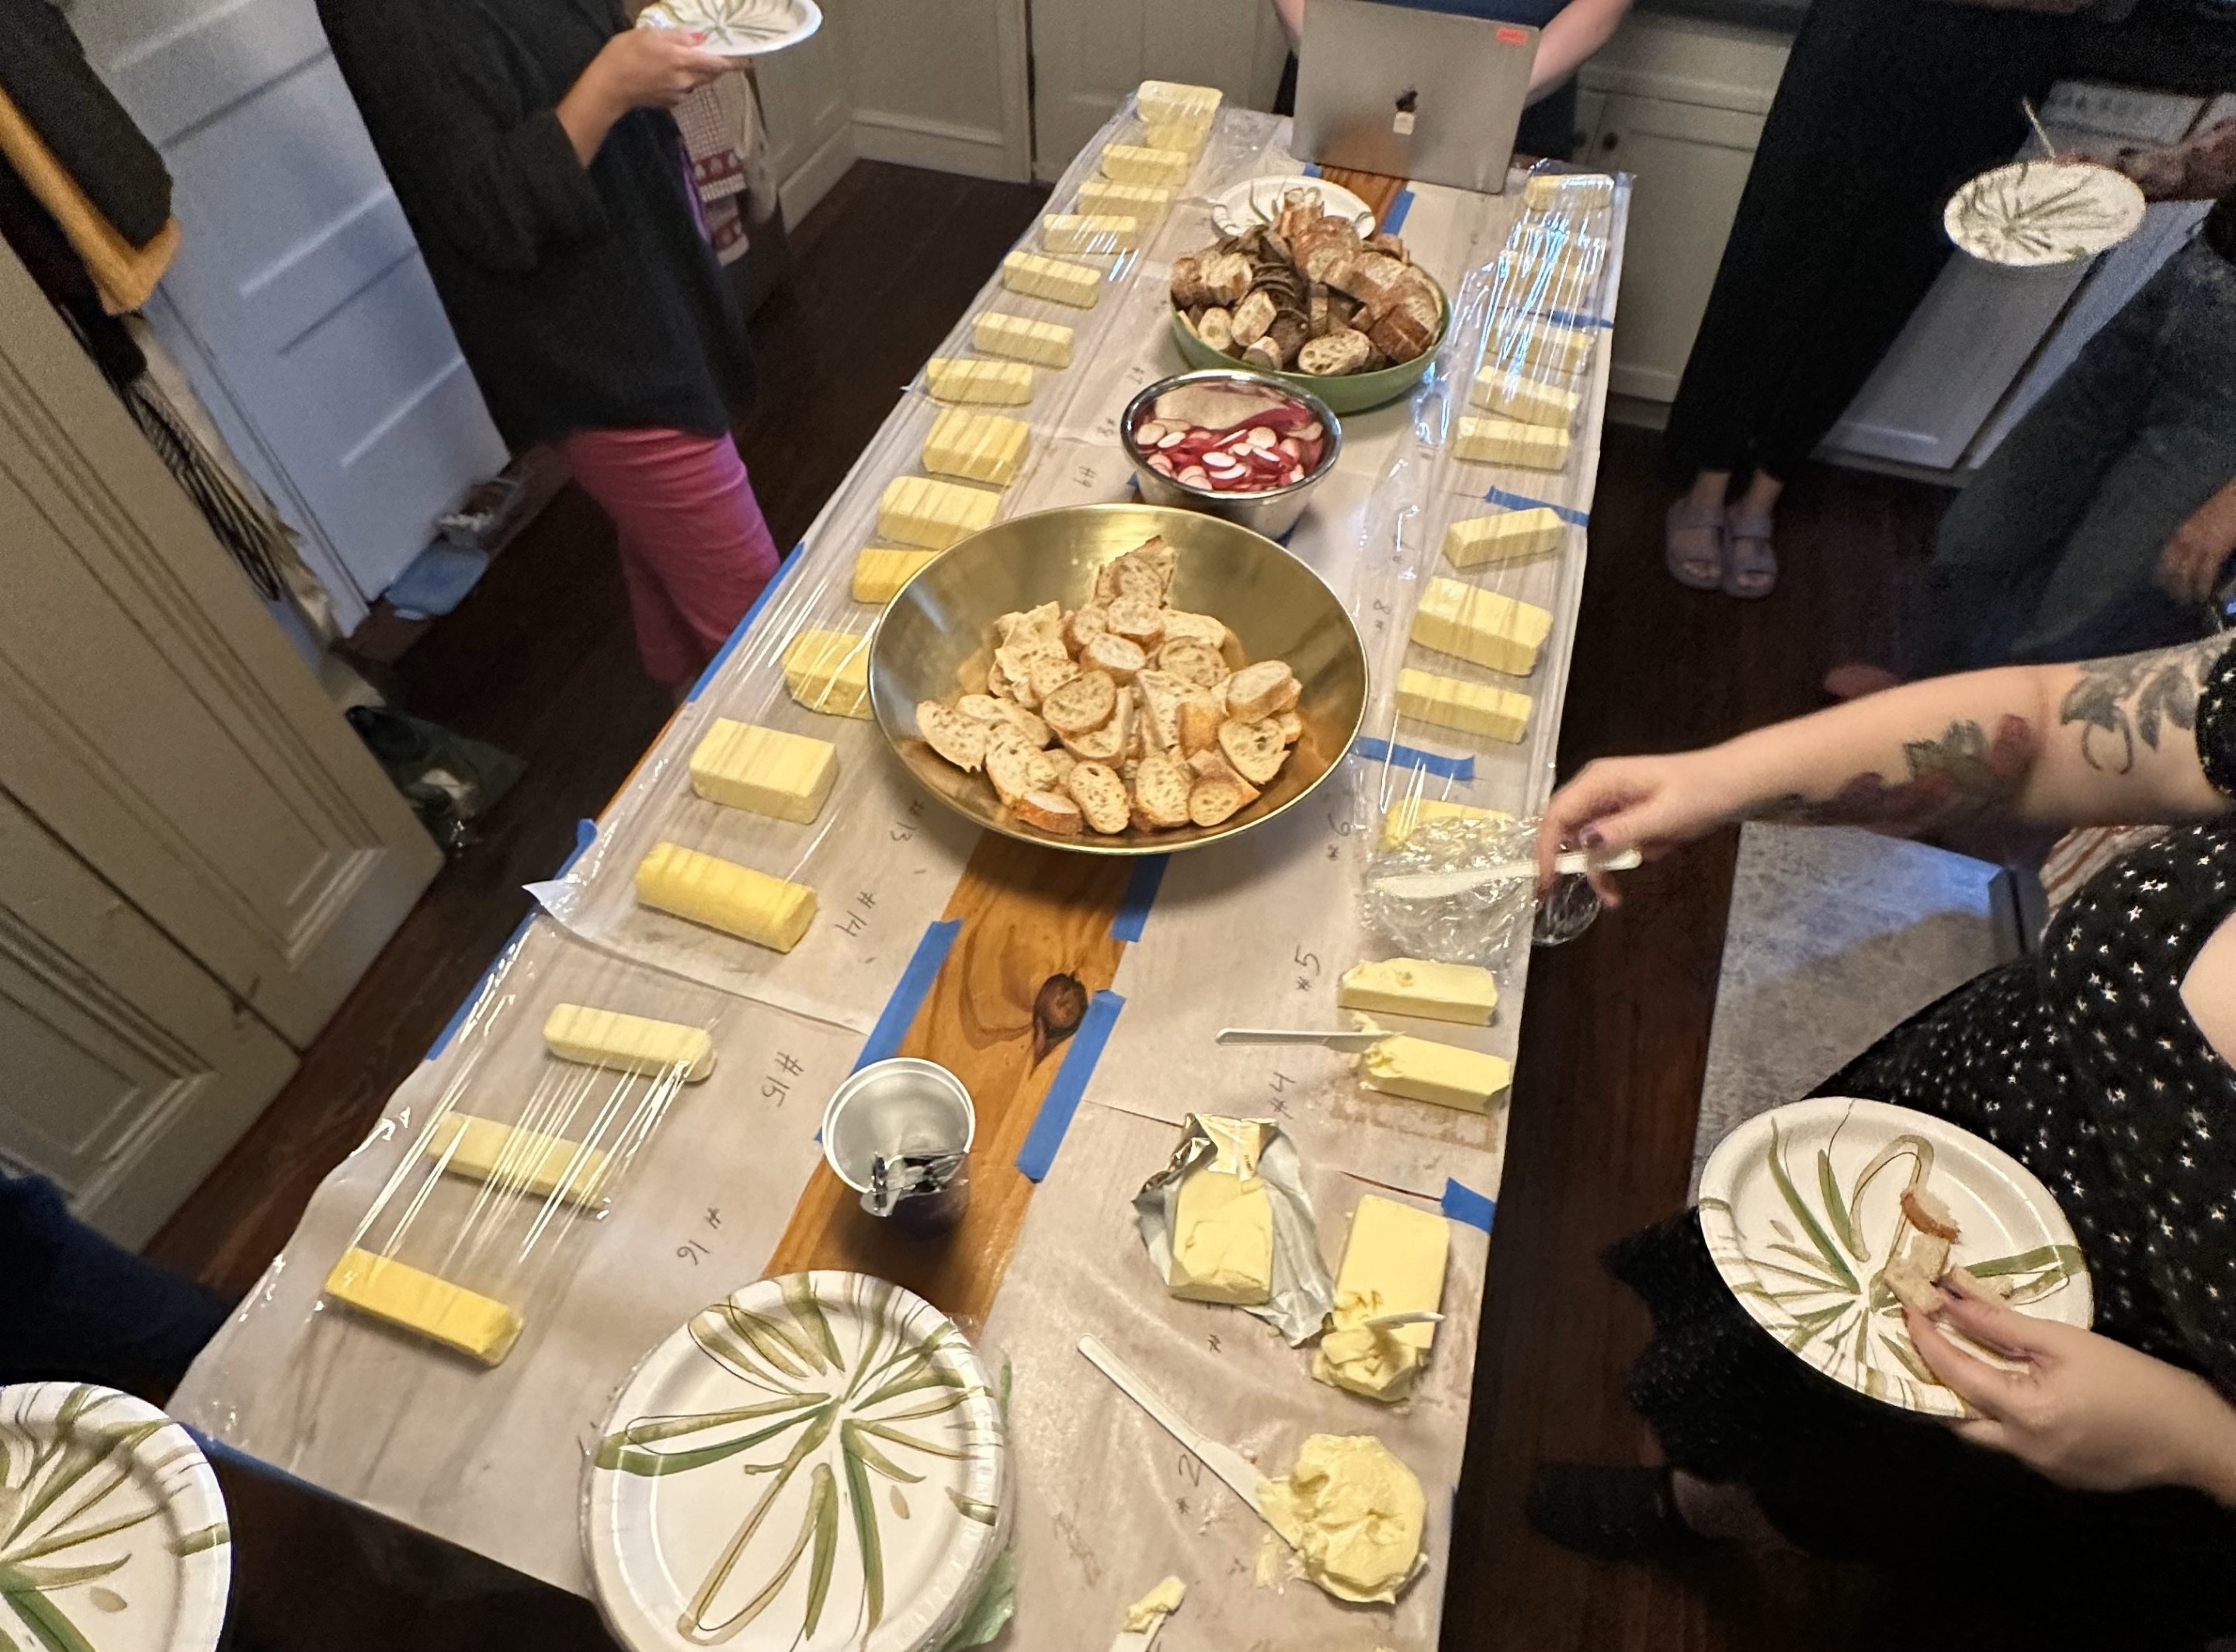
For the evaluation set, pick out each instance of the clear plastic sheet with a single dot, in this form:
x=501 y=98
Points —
x=1460 y=919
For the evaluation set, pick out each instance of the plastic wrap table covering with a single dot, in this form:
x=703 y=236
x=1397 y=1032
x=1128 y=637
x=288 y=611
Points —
x=708 y=1174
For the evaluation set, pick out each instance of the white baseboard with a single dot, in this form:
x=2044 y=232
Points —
x=942 y=146
x=812 y=178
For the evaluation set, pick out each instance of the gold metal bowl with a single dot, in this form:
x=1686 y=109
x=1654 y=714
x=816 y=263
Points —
x=936 y=637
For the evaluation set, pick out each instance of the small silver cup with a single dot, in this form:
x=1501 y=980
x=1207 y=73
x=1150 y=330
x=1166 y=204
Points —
x=898 y=1132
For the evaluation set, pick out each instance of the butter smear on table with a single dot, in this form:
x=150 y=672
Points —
x=1354 y=1513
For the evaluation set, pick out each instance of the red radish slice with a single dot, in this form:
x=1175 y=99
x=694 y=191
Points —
x=1149 y=433
x=1262 y=436
x=1295 y=473
x=1195 y=476
x=1160 y=464
x=1308 y=432
x=1172 y=438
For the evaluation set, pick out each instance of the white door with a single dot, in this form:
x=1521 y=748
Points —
x=808 y=108
x=1089 y=54
x=299 y=302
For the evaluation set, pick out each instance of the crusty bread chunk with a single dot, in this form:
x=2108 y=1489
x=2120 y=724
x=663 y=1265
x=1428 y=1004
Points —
x=1256 y=749
x=1200 y=715
x=1160 y=792
x=960 y=740
x=1087 y=701
x=1144 y=573
x=1291 y=726
x=1160 y=706
x=989 y=708
x=1262 y=690
x=1050 y=812
x=1101 y=796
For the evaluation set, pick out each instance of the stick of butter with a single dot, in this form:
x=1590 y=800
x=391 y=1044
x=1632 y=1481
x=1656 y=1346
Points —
x=1513 y=393
x=1223 y=1224
x=766 y=771
x=1139 y=164
x=1178 y=137
x=1570 y=191
x=1491 y=440
x=517 y=1160
x=1473 y=707
x=1138 y=200
x=1421 y=1069
x=421 y=1303
x=1091 y=233
x=1523 y=343
x=1505 y=537
x=632 y=1044
x=917 y=510
x=976 y=447
x=1046 y=344
x=1177 y=103
x=1393 y=1262
x=966 y=379
x=829 y=672
x=769 y=911
x=1400 y=820
x=880 y=572
x=1482 y=627
x=1056 y=279
x=1415 y=986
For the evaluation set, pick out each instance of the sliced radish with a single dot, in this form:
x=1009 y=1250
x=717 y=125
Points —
x=1194 y=477
x=1160 y=464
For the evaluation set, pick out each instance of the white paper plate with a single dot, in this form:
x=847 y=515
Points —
x=2041 y=214
x=738 y=28
x=130 y=1552
x=1809 y=1277
x=813 y=1463
x=1258 y=201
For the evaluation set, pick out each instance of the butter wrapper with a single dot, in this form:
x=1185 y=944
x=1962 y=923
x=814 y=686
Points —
x=1303 y=1291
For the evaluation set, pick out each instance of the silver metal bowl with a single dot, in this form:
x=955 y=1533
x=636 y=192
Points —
x=1272 y=513
x=936 y=639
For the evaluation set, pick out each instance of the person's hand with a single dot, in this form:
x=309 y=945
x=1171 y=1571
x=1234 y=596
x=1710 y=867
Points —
x=2189 y=567
x=1651 y=804
x=652 y=68
x=2085 y=1411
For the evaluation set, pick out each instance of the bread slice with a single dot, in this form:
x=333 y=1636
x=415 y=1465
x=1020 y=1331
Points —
x=1145 y=572
x=1193 y=663
x=1910 y=1286
x=1015 y=767
x=1050 y=812
x=1108 y=743
x=1927 y=1213
x=1160 y=703
x=1160 y=792
x=1200 y=714
x=1084 y=625
x=1062 y=762
x=1014 y=666
x=1137 y=709
x=1206 y=628
x=957 y=739
x=1122 y=659
x=1138 y=621
x=1291 y=726
x=1042 y=624
x=1101 y=796
x=1256 y=749
x=1087 y=701
x=1215 y=802
x=1049 y=673
x=989 y=708
x=1261 y=690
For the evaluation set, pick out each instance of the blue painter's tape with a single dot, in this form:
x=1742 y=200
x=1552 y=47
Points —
x=1577 y=319
x=909 y=993
x=1463 y=1204
x=745 y=625
x=1400 y=209
x=1141 y=892
x=1037 y=1156
x=586 y=833
x=1451 y=768
x=1312 y=169
x=466 y=1004
x=1524 y=502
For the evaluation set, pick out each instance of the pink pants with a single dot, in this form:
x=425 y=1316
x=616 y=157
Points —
x=695 y=551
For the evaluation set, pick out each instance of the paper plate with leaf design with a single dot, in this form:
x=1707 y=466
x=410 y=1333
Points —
x=2043 y=214
x=113 y=1536
x=1801 y=1206
x=814 y=1462
x=737 y=28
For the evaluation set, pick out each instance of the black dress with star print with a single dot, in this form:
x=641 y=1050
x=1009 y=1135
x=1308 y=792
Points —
x=2083 y=1063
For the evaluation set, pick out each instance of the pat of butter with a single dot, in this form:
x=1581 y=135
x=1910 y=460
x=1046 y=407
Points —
x=1569 y=191
x=1393 y=1262
x=1354 y=1513
x=1090 y=231
x=1177 y=103
x=419 y=1302
x=1223 y=1222
x=743 y=766
x=517 y=1160
x=1140 y=200
x=1400 y=820
x=976 y=447
x=1491 y=440
x=753 y=905
x=917 y=510
x=634 y=1044
x=1473 y=707
x=1139 y=164
x=1046 y=344
x=966 y=379
x=1414 y=986
x=880 y=572
x=1055 y=279
x=829 y=672
x=1547 y=345
x=1481 y=626
x=1505 y=537
x=1513 y=393
x=1421 y=1070
x=1155 y=1607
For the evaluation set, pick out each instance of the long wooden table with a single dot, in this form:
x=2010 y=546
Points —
x=935 y=941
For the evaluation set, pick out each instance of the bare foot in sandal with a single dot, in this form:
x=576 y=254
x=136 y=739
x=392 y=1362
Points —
x=1692 y=545
x=1750 y=559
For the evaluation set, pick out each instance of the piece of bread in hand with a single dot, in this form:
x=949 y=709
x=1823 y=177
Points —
x=1087 y=701
x=1256 y=749
x=1262 y=690
x=1101 y=796
x=1119 y=658
x=1909 y=1285
x=1927 y=1213
x=957 y=739
x=1160 y=792
x=1050 y=812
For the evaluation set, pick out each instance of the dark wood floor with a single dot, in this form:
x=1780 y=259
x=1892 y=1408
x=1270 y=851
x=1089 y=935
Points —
x=1615 y=1038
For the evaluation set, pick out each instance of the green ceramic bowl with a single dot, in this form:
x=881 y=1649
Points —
x=1342 y=392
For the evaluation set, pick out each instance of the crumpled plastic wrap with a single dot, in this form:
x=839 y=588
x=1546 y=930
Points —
x=1420 y=897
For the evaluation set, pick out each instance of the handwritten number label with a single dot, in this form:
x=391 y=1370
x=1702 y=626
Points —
x=1191 y=1469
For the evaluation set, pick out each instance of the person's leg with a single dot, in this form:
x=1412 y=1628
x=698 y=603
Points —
x=692 y=533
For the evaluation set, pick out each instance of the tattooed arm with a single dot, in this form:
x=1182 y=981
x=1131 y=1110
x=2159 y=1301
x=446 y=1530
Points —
x=2106 y=741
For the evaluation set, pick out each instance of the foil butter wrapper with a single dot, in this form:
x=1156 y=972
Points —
x=1303 y=1291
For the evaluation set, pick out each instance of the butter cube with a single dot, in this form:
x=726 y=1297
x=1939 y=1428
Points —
x=1057 y=280
x=1400 y=820
x=993 y=384
x=1505 y=537
x=1137 y=201
x=1096 y=232
x=1473 y=707
x=1516 y=395
x=1545 y=345
x=1176 y=103
x=1568 y=191
x=419 y=1302
x=1481 y=625
x=1177 y=138
x=1465 y=993
x=1491 y=440
x=1047 y=344
x=743 y=766
x=517 y=1160
x=1548 y=268
x=829 y=672
x=753 y=905
x=976 y=447
x=632 y=1043
x=1139 y=164
x=1421 y=1069
x=916 y=510
x=880 y=572
x=1393 y=1262
x=1223 y=1222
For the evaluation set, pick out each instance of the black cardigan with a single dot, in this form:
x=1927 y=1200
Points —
x=584 y=297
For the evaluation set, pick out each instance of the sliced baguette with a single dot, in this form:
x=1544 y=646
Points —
x=1116 y=655
x=1207 y=628
x=1927 y=1213
x=1198 y=663
x=1200 y=714
x=1262 y=690
x=1212 y=765
x=1016 y=768
x=1145 y=572
x=1160 y=703
x=957 y=739
x=1050 y=812
x=1042 y=624
x=1062 y=760
x=1101 y=796
x=1049 y=673
x=1293 y=727
x=987 y=708
x=1214 y=802
x=1083 y=626
x=1086 y=703
x=1160 y=792
x=1108 y=743
x=1138 y=622
x=1256 y=749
